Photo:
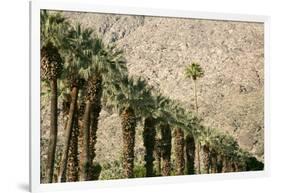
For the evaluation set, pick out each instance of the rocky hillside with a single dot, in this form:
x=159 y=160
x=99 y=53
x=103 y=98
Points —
x=158 y=49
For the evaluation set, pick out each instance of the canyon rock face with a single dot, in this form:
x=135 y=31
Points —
x=230 y=94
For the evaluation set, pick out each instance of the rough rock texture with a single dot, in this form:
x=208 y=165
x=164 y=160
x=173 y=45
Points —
x=230 y=95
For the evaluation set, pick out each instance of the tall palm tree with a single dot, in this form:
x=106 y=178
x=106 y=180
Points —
x=165 y=120
x=166 y=145
x=108 y=64
x=183 y=122
x=72 y=172
x=73 y=160
x=179 y=151
x=190 y=153
x=194 y=71
x=178 y=114
x=206 y=141
x=152 y=116
x=53 y=28
x=130 y=97
x=157 y=155
x=149 y=133
x=77 y=60
x=214 y=161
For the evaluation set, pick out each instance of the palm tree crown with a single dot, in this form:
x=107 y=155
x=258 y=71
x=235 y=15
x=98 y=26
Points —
x=194 y=71
x=129 y=93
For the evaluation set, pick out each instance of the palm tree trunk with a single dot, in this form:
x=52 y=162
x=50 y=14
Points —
x=214 y=161
x=96 y=109
x=198 y=158
x=166 y=151
x=179 y=151
x=86 y=157
x=190 y=154
x=219 y=165
x=73 y=160
x=157 y=154
x=68 y=133
x=195 y=96
x=206 y=159
x=233 y=166
x=224 y=164
x=53 y=131
x=128 y=121
x=149 y=133
x=197 y=145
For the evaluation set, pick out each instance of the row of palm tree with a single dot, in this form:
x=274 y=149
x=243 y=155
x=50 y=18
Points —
x=70 y=55
x=81 y=72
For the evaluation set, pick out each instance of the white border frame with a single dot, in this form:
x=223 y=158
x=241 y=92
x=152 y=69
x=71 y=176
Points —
x=34 y=102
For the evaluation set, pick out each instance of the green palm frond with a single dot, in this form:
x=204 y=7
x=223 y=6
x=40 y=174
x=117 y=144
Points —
x=77 y=52
x=53 y=28
x=194 y=71
x=129 y=92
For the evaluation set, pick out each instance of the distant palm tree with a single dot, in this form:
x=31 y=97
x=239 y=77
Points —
x=129 y=96
x=194 y=71
x=53 y=28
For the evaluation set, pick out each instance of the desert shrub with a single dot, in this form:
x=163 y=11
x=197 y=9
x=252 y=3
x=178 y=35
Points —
x=139 y=171
x=253 y=164
x=111 y=170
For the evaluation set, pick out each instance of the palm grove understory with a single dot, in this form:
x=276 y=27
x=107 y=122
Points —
x=82 y=74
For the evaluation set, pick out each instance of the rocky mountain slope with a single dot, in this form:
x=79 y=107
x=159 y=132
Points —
x=230 y=95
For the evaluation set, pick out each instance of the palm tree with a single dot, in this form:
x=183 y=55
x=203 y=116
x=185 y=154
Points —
x=207 y=139
x=108 y=64
x=214 y=161
x=165 y=120
x=230 y=149
x=72 y=172
x=166 y=148
x=149 y=133
x=73 y=160
x=194 y=71
x=130 y=97
x=152 y=116
x=179 y=151
x=183 y=122
x=53 y=27
x=157 y=155
x=178 y=114
x=77 y=60
x=190 y=153
x=226 y=148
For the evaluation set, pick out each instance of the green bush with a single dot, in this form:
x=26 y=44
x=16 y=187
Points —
x=139 y=171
